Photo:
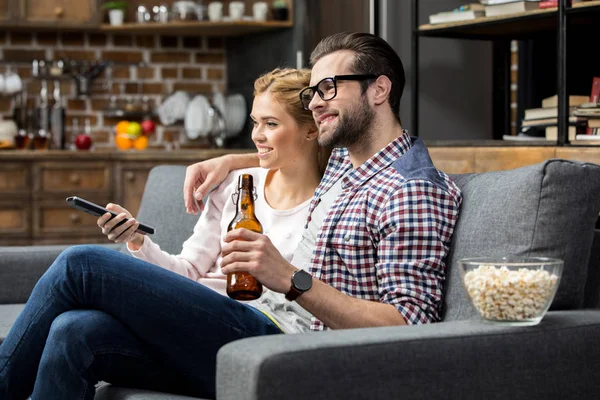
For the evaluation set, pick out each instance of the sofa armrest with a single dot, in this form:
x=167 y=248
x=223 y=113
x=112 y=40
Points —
x=22 y=266
x=559 y=358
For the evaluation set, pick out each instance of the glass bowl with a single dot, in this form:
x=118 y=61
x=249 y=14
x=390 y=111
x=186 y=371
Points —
x=511 y=291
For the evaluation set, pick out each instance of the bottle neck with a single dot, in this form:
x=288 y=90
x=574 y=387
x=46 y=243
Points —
x=246 y=202
x=246 y=195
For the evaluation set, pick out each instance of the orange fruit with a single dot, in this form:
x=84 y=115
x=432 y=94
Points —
x=122 y=127
x=123 y=142
x=141 y=143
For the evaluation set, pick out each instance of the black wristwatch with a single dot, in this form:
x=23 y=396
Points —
x=301 y=282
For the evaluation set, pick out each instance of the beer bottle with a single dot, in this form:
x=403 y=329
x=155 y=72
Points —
x=242 y=285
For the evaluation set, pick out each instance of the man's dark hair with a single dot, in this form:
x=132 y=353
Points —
x=373 y=55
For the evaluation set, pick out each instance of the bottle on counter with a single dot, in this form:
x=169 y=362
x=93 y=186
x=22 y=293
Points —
x=242 y=285
x=57 y=119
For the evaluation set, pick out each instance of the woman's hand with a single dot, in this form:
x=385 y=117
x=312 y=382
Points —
x=122 y=228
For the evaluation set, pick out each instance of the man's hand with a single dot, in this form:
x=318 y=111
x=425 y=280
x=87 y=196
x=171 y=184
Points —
x=123 y=233
x=200 y=178
x=253 y=252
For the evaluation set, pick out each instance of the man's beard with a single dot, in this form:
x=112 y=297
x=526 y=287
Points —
x=354 y=128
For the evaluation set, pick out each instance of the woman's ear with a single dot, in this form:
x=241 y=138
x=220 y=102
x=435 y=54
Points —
x=312 y=134
x=383 y=87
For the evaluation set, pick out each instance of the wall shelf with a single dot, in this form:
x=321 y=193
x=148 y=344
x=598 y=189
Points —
x=487 y=28
x=514 y=26
x=552 y=24
x=198 y=28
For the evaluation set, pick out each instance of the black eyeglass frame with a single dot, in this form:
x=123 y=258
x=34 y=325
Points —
x=333 y=79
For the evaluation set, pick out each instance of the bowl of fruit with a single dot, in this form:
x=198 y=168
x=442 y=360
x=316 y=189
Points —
x=133 y=135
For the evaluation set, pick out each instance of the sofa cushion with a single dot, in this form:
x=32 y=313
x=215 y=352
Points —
x=548 y=209
x=110 y=392
x=8 y=316
x=163 y=208
x=592 y=285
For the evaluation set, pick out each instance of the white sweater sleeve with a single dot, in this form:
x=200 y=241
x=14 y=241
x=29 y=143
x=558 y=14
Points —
x=201 y=250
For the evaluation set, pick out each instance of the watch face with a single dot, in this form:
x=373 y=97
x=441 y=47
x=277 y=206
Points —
x=302 y=280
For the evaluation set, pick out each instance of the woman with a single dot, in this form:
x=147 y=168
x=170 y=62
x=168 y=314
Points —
x=97 y=314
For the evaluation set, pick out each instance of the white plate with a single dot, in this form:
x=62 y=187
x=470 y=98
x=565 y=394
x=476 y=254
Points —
x=236 y=114
x=197 y=122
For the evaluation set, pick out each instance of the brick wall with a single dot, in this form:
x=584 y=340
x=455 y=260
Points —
x=195 y=64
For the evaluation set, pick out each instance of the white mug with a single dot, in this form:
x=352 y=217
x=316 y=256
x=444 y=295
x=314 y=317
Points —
x=12 y=83
x=236 y=10
x=215 y=11
x=259 y=11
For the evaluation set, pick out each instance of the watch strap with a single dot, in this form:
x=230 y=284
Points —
x=293 y=293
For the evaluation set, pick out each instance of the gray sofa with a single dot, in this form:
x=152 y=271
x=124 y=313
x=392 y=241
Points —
x=548 y=209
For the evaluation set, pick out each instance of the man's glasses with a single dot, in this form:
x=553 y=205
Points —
x=327 y=88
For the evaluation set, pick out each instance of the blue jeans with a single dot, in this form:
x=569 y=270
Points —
x=97 y=314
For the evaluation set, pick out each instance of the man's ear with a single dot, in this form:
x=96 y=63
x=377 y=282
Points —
x=382 y=88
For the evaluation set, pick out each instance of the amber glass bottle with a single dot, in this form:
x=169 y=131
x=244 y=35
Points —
x=242 y=285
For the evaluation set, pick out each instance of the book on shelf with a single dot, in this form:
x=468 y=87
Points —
x=522 y=137
x=552 y=132
x=496 y=2
x=510 y=8
x=574 y=101
x=463 y=13
x=594 y=123
x=588 y=137
x=587 y=112
x=548 y=4
x=541 y=113
x=595 y=96
x=550 y=121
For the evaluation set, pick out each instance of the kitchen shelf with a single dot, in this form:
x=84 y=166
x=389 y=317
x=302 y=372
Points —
x=118 y=113
x=203 y=28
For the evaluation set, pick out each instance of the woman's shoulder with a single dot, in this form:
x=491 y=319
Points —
x=258 y=174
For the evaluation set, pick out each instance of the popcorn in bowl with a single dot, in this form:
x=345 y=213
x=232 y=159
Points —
x=514 y=291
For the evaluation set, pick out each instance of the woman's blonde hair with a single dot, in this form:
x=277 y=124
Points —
x=285 y=85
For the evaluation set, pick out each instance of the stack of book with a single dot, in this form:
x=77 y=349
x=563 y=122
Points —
x=591 y=112
x=543 y=121
x=494 y=8
x=463 y=13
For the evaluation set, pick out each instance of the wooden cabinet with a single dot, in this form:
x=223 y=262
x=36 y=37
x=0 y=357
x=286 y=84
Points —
x=72 y=11
x=130 y=184
x=15 y=207
x=72 y=14
x=34 y=186
x=7 y=9
x=57 y=11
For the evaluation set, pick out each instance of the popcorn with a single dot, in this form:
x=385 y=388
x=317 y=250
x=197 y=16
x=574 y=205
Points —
x=513 y=295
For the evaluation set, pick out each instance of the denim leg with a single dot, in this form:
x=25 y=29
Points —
x=180 y=322
x=86 y=346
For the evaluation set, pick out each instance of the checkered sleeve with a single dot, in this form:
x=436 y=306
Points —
x=414 y=230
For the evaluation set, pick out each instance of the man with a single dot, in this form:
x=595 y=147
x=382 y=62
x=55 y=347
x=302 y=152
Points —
x=380 y=222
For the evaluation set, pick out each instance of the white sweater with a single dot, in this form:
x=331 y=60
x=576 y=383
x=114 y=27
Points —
x=200 y=258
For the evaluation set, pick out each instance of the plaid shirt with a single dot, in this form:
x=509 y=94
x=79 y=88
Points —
x=387 y=234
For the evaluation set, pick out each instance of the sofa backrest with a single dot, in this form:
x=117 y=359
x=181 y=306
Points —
x=163 y=208
x=548 y=209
